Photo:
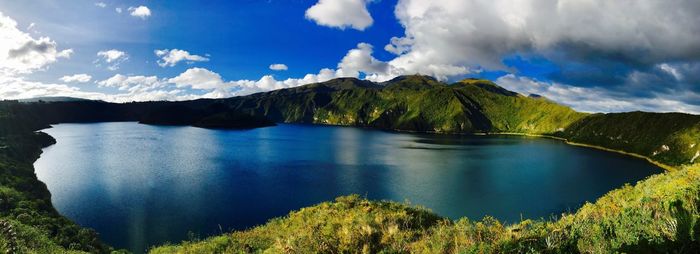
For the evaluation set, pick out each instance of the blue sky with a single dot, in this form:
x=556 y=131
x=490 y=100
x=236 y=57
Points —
x=580 y=53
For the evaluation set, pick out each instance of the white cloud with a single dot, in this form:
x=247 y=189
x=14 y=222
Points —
x=12 y=88
x=142 y=12
x=118 y=10
x=199 y=78
x=81 y=78
x=22 y=54
x=671 y=70
x=452 y=37
x=359 y=60
x=123 y=82
x=172 y=57
x=278 y=67
x=101 y=4
x=597 y=99
x=113 y=58
x=217 y=87
x=341 y=14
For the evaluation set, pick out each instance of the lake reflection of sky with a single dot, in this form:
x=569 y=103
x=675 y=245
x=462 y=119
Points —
x=139 y=185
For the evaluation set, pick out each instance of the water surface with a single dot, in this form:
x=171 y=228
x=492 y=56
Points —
x=141 y=185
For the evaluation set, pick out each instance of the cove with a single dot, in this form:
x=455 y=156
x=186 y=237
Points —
x=141 y=185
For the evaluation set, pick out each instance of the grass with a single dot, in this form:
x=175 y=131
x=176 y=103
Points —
x=657 y=215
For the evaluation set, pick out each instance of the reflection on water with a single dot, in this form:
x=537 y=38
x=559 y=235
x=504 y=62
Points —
x=141 y=185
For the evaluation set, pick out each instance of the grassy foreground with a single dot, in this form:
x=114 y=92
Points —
x=657 y=215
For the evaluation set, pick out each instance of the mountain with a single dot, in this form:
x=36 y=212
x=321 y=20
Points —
x=411 y=103
x=217 y=116
x=52 y=99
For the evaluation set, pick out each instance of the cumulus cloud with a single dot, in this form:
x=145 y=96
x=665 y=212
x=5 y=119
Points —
x=360 y=60
x=80 y=78
x=141 y=88
x=123 y=82
x=481 y=33
x=101 y=4
x=278 y=67
x=170 y=57
x=217 y=87
x=141 y=12
x=118 y=10
x=199 y=78
x=341 y=14
x=113 y=58
x=22 y=54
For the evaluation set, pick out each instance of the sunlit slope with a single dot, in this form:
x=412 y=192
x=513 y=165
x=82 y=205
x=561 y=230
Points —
x=412 y=103
x=670 y=138
x=657 y=215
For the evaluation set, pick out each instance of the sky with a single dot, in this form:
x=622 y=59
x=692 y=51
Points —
x=592 y=55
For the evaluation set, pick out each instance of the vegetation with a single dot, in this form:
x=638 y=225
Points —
x=657 y=215
x=215 y=115
x=28 y=221
x=411 y=103
x=670 y=138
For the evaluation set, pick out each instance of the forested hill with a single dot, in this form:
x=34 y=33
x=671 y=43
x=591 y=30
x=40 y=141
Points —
x=411 y=103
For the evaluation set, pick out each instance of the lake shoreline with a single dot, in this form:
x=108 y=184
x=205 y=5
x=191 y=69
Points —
x=666 y=167
x=566 y=141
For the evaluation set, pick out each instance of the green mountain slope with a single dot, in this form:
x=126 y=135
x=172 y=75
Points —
x=411 y=103
x=670 y=138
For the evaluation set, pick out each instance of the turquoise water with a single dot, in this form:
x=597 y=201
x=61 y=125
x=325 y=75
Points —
x=141 y=185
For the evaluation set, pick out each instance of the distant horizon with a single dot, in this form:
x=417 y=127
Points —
x=595 y=56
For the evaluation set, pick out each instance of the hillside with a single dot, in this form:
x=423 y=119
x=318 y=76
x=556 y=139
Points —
x=28 y=221
x=671 y=138
x=411 y=103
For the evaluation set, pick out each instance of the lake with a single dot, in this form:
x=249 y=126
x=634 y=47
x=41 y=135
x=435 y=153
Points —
x=141 y=185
